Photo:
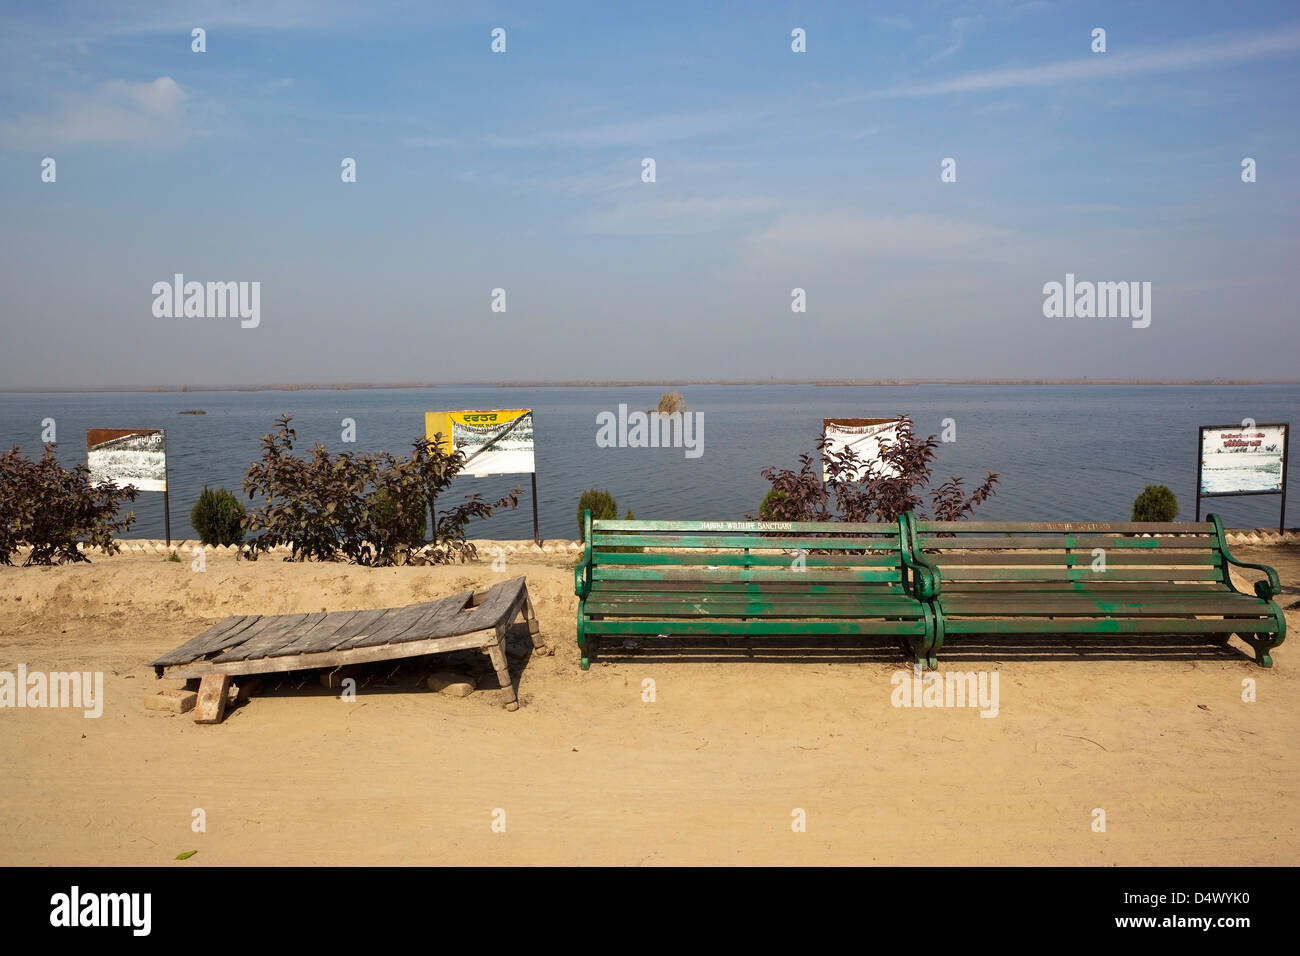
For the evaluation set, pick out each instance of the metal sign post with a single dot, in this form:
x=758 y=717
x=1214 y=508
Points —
x=537 y=538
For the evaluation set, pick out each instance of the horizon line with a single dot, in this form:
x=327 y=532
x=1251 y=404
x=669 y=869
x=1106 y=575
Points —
x=643 y=383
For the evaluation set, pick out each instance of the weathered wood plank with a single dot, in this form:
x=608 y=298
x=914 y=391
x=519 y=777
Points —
x=223 y=634
x=270 y=633
x=398 y=621
x=358 y=655
x=320 y=637
x=500 y=605
x=211 y=705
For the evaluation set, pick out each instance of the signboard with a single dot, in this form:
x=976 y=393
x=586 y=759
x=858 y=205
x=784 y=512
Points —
x=493 y=441
x=864 y=436
x=1244 y=459
x=128 y=456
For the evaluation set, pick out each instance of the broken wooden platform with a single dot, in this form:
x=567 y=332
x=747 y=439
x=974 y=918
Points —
x=274 y=643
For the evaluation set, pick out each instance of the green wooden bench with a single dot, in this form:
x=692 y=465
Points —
x=647 y=579
x=991 y=577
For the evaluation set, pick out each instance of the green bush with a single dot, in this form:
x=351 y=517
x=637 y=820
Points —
x=602 y=504
x=397 y=523
x=218 y=517
x=767 y=511
x=367 y=509
x=1156 y=503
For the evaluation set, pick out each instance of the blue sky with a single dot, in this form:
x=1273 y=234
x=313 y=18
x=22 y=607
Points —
x=522 y=171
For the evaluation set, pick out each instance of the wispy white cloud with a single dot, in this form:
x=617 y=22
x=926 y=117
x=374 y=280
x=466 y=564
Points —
x=114 y=112
x=657 y=217
x=647 y=132
x=1205 y=52
x=863 y=133
x=958 y=30
x=431 y=142
x=833 y=241
x=893 y=23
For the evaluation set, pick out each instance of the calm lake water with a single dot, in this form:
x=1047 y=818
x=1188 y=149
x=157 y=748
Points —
x=1063 y=452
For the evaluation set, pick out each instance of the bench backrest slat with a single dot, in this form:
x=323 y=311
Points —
x=1075 y=527
x=747 y=553
x=1072 y=555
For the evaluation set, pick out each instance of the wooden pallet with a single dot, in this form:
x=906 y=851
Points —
x=274 y=643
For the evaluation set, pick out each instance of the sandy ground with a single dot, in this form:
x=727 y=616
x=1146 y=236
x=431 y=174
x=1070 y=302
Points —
x=712 y=771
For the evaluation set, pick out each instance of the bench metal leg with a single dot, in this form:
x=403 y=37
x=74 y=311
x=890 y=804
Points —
x=585 y=660
x=1261 y=644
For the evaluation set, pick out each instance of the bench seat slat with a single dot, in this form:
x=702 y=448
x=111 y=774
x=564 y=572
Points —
x=705 y=605
x=734 y=559
x=1083 y=558
x=1109 y=625
x=1104 y=585
x=1004 y=542
x=1098 y=607
x=758 y=628
x=607 y=573
x=741 y=542
x=1066 y=527
x=745 y=527
x=1113 y=572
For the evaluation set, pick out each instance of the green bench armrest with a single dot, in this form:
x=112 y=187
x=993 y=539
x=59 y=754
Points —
x=582 y=572
x=927 y=574
x=1266 y=589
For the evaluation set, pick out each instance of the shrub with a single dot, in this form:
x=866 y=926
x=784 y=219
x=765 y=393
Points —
x=1156 y=503
x=50 y=508
x=855 y=489
x=397 y=524
x=367 y=509
x=602 y=505
x=218 y=517
x=671 y=402
x=767 y=510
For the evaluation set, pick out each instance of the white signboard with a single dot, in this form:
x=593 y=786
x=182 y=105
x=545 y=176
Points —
x=864 y=436
x=128 y=456
x=1237 y=460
